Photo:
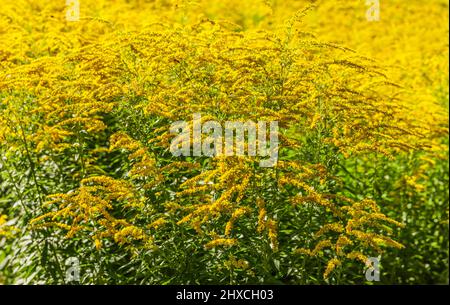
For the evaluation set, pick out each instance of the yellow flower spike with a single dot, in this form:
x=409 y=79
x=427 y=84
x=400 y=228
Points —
x=6 y=230
x=158 y=223
x=273 y=234
x=226 y=242
x=98 y=244
x=332 y=264
x=236 y=214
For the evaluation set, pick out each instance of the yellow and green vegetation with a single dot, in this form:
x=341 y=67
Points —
x=85 y=168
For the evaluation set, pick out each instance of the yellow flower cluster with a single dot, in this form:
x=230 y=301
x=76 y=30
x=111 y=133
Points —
x=5 y=230
x=233 y=263
x=236 y=214
x=332 y=264
x=227 y=242
x=358 y=222
x=89 y=210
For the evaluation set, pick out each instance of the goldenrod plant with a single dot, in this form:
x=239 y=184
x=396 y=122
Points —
x=90 y=91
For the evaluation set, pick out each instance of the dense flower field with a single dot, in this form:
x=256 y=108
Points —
x=88 y=180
